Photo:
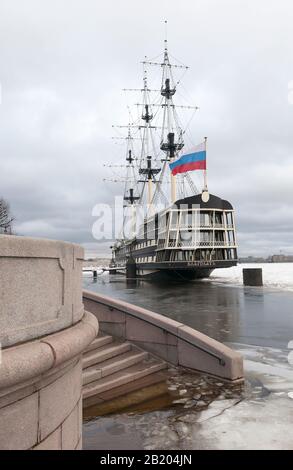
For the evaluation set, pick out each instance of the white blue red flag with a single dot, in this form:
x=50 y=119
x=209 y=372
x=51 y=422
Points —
x=194 y=159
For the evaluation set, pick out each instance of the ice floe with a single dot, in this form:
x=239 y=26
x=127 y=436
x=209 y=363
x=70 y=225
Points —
x=275 y=275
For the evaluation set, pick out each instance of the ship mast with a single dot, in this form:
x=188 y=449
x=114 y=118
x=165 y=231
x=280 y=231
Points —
x=131 y=195
x=148 y=172
x=172 y=136
x=147 y=156
x=169 y=145
x=130 y=198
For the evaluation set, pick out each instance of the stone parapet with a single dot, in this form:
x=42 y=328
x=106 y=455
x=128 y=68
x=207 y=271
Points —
x=170 y=340
x=40 y=288
x=44 y=331
x=30 y=361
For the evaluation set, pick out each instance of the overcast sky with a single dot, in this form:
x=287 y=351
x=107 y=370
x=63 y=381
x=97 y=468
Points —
x=63 y=64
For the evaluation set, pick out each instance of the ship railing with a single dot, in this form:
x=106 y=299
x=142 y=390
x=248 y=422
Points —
x=195 y=226
x=206 y=226
x=201 y=227
x=192 y=243
x=218 y=226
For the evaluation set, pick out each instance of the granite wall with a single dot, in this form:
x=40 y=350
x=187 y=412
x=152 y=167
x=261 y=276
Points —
x=43 y=333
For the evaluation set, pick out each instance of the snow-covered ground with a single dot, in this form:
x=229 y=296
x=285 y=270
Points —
x=88 y=270
x=275 y=275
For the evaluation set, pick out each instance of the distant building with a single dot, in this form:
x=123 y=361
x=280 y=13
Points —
x=270 y=259
x=252 y=259
x=280 y=259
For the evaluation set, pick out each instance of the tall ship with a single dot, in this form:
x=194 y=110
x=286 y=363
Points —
x=172 y=228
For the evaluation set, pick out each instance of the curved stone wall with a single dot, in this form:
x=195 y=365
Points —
x=43 y=332
x=170 y=340
x=40 y=287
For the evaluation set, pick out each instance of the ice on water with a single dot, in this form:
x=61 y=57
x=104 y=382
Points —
x=275 y=275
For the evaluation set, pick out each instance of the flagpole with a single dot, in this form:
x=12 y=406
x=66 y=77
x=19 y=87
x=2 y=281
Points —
x=205 y=174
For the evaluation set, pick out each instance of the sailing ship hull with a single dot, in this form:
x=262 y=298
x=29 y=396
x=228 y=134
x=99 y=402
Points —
x=173 y=273
x=188 y=271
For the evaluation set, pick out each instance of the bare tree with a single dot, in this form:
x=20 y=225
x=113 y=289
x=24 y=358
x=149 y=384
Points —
x=5 y=217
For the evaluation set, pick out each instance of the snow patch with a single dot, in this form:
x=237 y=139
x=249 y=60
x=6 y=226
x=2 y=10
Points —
x=275 y=275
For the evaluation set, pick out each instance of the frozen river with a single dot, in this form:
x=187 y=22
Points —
x=258 y=322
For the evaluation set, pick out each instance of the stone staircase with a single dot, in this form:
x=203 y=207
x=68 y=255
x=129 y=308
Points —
x=112 y=368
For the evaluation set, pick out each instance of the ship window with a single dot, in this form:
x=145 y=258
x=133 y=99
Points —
x=188 y=219
x=219 y=236
x=218 y=218
x=229 y=219
x=205 y=219
x=174 y=219
x=230 y=237
x=206 y=236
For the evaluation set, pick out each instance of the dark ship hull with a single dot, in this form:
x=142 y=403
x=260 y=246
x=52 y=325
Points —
x=172 y=272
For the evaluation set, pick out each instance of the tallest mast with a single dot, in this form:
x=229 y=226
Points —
x=167 y=92
x=172 y=140
x=172 y=134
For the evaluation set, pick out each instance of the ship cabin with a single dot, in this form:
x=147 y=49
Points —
x=191 y=231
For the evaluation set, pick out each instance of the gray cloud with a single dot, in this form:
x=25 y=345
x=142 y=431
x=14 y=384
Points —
x=63 y=64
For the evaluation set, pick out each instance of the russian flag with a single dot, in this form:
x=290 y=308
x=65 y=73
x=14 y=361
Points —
x=194 y=159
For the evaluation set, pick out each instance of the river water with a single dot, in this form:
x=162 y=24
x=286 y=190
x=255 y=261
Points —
x=219 y=307
x=258 y=322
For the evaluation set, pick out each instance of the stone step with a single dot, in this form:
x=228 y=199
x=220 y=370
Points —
x=135 y=372
x=99 y=342
x=115 y=364
x=103 y=353
x=130 y=387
